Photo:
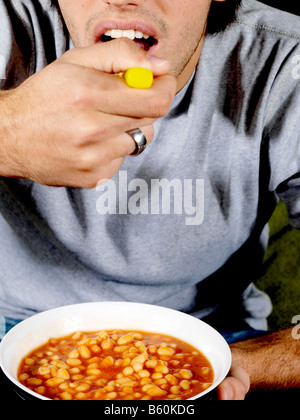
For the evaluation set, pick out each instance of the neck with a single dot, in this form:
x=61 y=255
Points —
x=185 y=76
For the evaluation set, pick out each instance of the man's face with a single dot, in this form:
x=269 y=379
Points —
x=175 y=27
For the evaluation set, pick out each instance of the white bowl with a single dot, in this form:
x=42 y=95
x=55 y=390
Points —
x=62 y=321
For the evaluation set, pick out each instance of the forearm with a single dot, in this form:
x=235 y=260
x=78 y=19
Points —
x=272 y=361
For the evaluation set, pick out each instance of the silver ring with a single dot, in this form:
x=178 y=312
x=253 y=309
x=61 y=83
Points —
x=140 y=141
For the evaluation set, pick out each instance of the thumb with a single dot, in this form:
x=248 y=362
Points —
x=236 y=385
x=116 y=56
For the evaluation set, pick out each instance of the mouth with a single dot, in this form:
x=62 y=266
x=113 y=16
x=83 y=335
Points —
x=144 y=41
x=143 y=36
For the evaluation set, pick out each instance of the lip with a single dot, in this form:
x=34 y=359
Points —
x=102 y=27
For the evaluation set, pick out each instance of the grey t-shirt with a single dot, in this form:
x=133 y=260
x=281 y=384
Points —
x=182 y=225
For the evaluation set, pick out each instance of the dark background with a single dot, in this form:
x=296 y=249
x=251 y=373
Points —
x=292 y=6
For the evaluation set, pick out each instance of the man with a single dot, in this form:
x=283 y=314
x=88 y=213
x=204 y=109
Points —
x=183 y=223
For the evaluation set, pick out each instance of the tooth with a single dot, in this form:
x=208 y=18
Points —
x=116 y=33
x=139 y=34
x=129 y=34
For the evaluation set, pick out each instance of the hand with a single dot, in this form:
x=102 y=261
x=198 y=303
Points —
x=236 y=385
x=65 y=126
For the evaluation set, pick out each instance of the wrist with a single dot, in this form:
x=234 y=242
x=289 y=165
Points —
x=252 y=359
x=10 y=166
x=272 y=361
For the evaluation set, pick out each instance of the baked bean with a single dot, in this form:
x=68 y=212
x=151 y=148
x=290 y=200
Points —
x=137 y=366
x=162 y=369
x=73 y=354
x=93 y=372
x=95 y=348
x=82 y=387
x=66 y=396
x=34 y=381
x=165 y=351
x=107 y=344
x=40 y=390
x=103 y=335
x=125 y=339
x=127 y=371
x=76 y=336
x=155 y=391
x=175 y=389
x=112 y=395
x=92 y=365
x=77 y=377
x=29 y=361
x=151 y=363
x=107 y=361
x=140 y=359
x=53 y=370
x=126 y=362
x=186 y=374
x=84 y=351
x=63 y=373
x=111 y=365
x=144 y=373
x=43 y=371
x=73 y=362
x=185 y=384
x=120 y=349
x=54 y=382
x=171 y=379
x=93 y=360
x=80 y=396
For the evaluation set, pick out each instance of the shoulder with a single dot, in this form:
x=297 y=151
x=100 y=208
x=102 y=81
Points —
x=262 y=39
x=275 y=43
x=23 y=9
x=262 y=19
x=262 y=48
x=30 y=14
x=253 y=67
x=32 y=35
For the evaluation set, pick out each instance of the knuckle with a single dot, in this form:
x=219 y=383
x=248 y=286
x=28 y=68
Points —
x=86 y=162
x=161 y=104
x=88 y=131
x=78 y=96
x=90 y=159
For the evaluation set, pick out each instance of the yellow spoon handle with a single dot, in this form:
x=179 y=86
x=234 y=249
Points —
x=138 y=78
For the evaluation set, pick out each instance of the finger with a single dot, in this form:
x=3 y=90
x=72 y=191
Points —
x=116 y=56
x=100 y=164
x=95 y=127
x=97 y=156
x=236 y=385
x=110 y=94
x=124 y=145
